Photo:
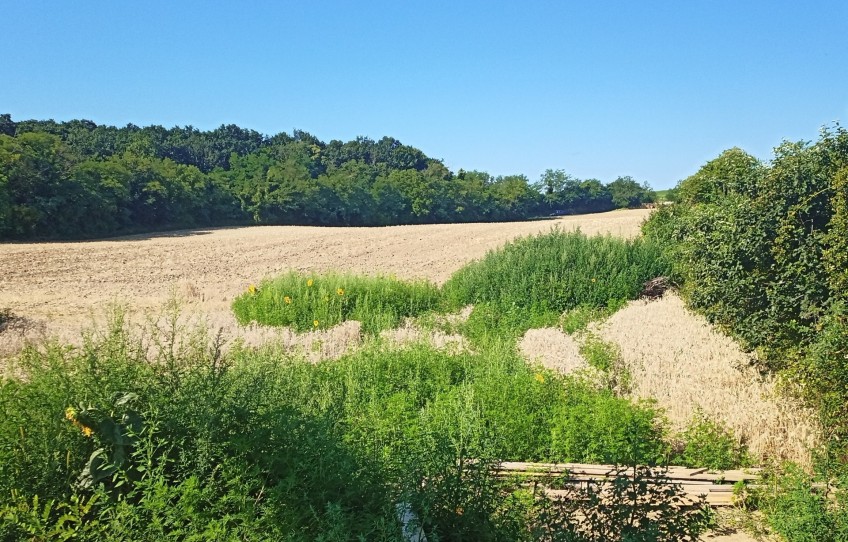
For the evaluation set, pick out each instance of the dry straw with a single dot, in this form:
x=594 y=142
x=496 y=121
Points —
x=677 y=358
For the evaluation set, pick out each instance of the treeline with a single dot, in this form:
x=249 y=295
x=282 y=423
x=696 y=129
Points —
x=762 y=250
x=79 y=179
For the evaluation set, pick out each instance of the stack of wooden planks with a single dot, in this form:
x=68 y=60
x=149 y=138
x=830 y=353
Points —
x=717 y=486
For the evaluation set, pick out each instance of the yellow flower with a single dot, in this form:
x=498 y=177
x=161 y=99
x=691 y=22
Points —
x=315 y=323
x=70 y=414
x=593 y=279
x=309 y=283
x=539 y=377
x=340 y=291
x=252 y=289
x=287 y=299
x=87 y=431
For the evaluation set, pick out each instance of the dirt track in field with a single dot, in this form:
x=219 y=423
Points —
x=63 y=284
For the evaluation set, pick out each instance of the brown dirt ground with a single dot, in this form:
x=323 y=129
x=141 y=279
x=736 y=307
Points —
x=61 y=285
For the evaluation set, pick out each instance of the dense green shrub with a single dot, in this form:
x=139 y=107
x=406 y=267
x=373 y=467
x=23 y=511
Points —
x=707 y=443
x=598 y=427
x=761 y=251
x=545 y=275
x=257 y=447
x=801 y=510
x=307 y=302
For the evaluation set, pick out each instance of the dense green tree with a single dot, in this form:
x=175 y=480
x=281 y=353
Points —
x=733 y=172
x=7 y=125
x=626 y=192
x=79 y=179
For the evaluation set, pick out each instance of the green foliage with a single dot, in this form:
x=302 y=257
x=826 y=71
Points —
x=578 y=318
x=606 y=358
x=598 y=427
x=707 y=443
x=307 y=302
x=733 y=172
x=549 y=274
x=257 y=447
x=626 y=192
x=200 y=448
x=78 y=179
x=636 y=505
x=492 y=322
x=760 y=250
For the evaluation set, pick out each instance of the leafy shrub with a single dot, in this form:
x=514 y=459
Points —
x=210 y=448
x=637 y=504
x=761 y=251
x=800 y=510
x=598 y=427
x=253 y=447
x=710 y=444
x=308 y=302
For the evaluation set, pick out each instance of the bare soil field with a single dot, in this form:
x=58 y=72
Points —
x=60 y=286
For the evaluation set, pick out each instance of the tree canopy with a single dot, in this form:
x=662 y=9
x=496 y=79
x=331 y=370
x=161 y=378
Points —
x=77 y=179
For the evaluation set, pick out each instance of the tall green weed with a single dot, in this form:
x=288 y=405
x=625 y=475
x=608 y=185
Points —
x=548 y=274
x=307 y=302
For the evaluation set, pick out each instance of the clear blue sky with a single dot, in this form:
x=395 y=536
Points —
x=600 y=89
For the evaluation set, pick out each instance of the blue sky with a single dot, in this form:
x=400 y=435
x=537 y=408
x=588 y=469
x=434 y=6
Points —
x=600 y=89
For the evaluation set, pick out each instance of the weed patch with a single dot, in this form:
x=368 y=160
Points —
x=540 y=277
x=307 y=302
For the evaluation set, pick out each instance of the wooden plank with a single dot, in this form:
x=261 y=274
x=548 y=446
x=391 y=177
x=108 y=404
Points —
x=712 y=498
x=673 y=473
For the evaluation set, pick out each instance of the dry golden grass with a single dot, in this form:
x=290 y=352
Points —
x=677 y=358
x=553 y=349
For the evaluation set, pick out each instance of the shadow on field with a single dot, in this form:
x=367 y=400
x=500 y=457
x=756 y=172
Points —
x=160 y=234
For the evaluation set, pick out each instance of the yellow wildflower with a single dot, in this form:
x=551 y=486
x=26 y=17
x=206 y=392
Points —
x=252 y=289
x=315 y=323
x=287 y=299
x=309 y=283
x=70 y=414
x=593 y=279
x=87 y=431
x=340 y=291
x=539 y=377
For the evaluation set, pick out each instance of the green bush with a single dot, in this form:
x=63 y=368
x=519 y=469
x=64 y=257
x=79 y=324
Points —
x=598 y=427
x=637 y=504
x=545 y=275
x=307 y=302
x=710 y=444
x=202 y=448
x=801 y=511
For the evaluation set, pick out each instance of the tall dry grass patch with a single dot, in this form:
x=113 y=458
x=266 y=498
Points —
x=553 y=349
x=677 y=358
